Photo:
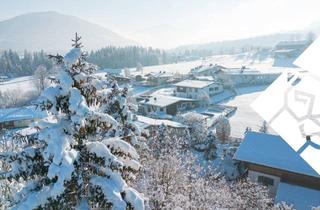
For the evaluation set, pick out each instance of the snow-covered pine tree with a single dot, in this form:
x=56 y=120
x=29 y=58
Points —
x=223 y=129
x=81 y=157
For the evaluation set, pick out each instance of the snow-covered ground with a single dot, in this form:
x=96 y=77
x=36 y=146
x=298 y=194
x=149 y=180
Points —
x=245 y=116
x=23 y=84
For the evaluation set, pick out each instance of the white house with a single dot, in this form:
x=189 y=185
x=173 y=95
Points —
x=196 y=88
x=273 y=163
x=164 y=106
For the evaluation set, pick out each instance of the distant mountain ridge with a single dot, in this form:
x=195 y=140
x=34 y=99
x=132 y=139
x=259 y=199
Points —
x=265 y=41
x=52 y=31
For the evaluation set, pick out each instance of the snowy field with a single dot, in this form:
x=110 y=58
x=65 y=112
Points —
x=245 y=116
x=261 y=61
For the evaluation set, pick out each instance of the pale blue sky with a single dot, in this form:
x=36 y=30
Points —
x=168 y=23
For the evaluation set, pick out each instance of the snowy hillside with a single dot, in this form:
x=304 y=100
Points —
x=51 y=31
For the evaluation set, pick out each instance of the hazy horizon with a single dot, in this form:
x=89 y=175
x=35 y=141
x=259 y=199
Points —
x=168 y=24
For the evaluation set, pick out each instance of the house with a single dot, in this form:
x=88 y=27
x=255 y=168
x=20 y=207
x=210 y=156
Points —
x=273 y=163
x=196 y=88
x=159 y=78
x=240 y=77
x=20 y=117
x=206 y=70
x=163 y=105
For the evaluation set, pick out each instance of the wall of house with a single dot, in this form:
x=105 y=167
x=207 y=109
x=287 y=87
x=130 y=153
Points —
x=240 y=80
x=195 y=93
x=148 y=109
x=286 y=176
x=256 y=177
x=16 y=123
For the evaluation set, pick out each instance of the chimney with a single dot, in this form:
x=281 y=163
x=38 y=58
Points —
x=308 y=137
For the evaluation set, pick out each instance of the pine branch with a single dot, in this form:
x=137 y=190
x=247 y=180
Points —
x=57 y=58
x=76 y=40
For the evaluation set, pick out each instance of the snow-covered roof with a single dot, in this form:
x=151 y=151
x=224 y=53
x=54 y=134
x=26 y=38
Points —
x=160 y=74
x=300 y=197
x=22 y=113
x=194 y=83
x=272 y=151
x=204 y=68
x=157 y=122
x=163 y=100
x=205 y=78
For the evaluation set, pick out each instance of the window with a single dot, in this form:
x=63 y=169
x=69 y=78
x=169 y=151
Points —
x=161 y=109
x=196 y=90
x=265 y=180
x=216 y=88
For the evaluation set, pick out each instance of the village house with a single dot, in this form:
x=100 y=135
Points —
x=195 y=89
x=273 y=163
x=240 y=77
x=159 y=78
x=164 y=106
x=20 y=117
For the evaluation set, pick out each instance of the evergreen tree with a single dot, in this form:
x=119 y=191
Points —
x=81 y=156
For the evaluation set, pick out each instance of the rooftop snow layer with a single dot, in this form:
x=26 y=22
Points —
x=302 y=198
x=194 y=83
x=23 y=113
x=163 y=100
x=272 y=151
x=158 y=122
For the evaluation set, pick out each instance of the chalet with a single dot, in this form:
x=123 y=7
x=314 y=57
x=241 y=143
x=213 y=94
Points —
x=20 y=117
x=163 y=105
x=273 y=163
x=159 y=78
x=196 y=88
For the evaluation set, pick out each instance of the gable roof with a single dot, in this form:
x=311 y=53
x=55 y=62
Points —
x=272 y=151
x=163 y=100
x=194 y=83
